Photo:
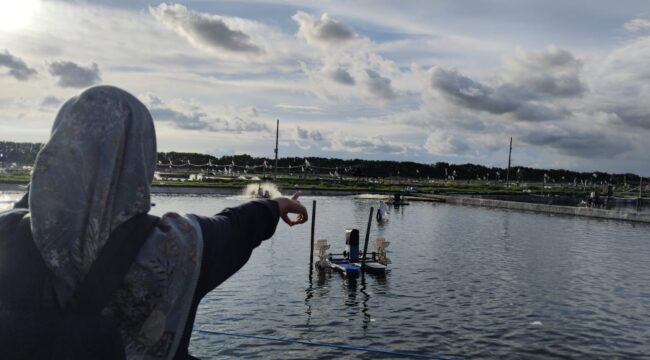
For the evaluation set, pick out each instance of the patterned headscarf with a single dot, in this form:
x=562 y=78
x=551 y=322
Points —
x=93 y=175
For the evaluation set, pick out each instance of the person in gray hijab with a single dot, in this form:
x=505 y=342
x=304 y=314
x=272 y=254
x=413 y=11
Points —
x=93 y=175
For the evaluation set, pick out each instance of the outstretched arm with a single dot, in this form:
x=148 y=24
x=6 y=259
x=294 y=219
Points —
x=230 y=236
x=228 y=241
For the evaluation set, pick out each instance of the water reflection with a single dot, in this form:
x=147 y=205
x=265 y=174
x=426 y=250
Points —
x=356 y=293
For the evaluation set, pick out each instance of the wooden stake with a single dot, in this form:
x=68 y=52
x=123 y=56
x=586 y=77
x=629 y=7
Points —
x=277 y=136
x=313 y=226
x=365 y=243
x=509 y=157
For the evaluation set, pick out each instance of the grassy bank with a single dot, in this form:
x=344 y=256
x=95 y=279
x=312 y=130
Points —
x=365 y=185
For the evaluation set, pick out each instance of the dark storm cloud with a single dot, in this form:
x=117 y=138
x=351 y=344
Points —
x=206 y=29
x=17 y=67
x=341 y=76
x=73 y=75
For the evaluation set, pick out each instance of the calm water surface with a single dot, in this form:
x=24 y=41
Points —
x=465 y=282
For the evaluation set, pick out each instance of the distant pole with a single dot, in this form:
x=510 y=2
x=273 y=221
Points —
x=365 y=244
x=509 y=157
x=313 y=226
x=638 y=200
x=277 y=135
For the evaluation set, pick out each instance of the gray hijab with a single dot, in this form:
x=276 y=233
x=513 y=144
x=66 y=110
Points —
x=92 y=175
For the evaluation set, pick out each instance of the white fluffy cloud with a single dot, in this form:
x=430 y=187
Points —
x=191 y=117
x=637 y=24
x=440 y=143
x=323 y=31
x=205 y=30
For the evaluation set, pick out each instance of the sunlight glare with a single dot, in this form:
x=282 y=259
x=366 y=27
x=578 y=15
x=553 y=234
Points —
x=16 y=14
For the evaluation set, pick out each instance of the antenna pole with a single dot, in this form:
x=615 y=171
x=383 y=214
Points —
x=277 y=135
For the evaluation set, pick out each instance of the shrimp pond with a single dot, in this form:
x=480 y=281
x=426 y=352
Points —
x=465 y=282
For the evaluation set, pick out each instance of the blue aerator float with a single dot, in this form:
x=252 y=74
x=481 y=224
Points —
x=352 y=261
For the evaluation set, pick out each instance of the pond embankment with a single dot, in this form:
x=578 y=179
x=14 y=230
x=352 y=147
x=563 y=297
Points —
x=201 y=190
x=622 y=214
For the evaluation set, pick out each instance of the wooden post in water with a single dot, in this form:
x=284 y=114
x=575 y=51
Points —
x=277 y=135
x=638 y=201
x=313 y=226
x=509 y=157
x=365 y=243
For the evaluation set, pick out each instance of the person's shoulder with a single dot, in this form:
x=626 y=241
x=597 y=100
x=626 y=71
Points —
x=173 y=222
x=12 y=217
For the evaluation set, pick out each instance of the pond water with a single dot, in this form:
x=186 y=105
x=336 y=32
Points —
x=465 y=282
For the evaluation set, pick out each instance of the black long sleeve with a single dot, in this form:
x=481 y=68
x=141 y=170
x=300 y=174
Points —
x=228 y=241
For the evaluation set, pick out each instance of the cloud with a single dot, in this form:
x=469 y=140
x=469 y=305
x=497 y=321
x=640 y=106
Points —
x=73 y=75
x=305 y=134
x=439 y=143
x=51 y=102
x=550 y=73
x=17 y=67
x=305 y=108
x=621 y=84
x=378 y=86
x=532 y=86
x=635 y=115
x=341 y=76
x=469 y=93
x=324 y=31
x=501 y=100
x=637 y=25
x=579 y=143
x=196 y=119
x=369 y=145
x=204 y=30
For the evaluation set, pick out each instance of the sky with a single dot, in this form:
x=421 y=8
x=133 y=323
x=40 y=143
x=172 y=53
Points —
x=422 y=81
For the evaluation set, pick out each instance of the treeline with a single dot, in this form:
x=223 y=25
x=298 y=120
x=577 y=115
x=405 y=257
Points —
x=407 y=169
x=18 y=153
x=25 y=154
